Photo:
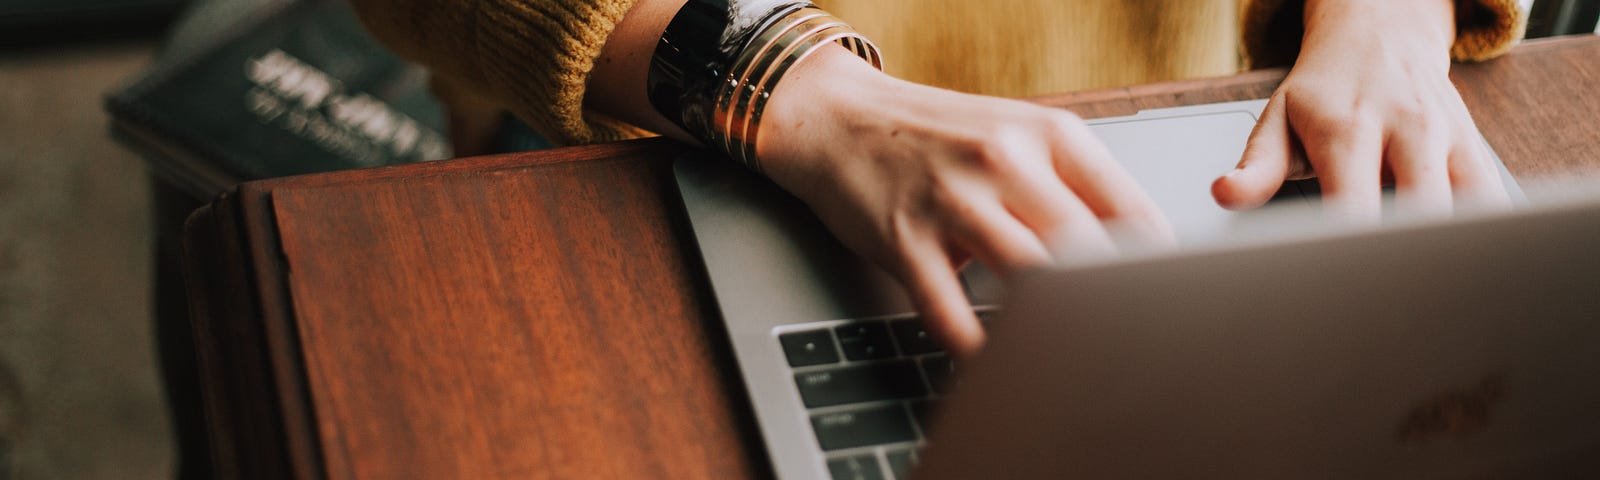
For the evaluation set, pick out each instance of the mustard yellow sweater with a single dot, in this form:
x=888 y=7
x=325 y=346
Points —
x=533 y=57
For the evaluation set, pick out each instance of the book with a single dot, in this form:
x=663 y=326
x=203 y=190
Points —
x=297 y=87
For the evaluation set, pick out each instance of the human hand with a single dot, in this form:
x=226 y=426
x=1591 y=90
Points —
x=1369 y=100
x=920 y=180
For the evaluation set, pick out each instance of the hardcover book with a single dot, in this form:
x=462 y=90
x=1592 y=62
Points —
x=298 y=88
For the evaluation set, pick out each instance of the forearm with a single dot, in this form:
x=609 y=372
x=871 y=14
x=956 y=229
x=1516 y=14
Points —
x=617 y=85
x=1478 y=29
x=706 y=70
x=1429 y=22
x=1406 y=34
x=532 y=57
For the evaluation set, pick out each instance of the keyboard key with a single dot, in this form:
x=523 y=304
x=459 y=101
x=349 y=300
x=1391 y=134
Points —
x=922 y=411
x=864 y=467
x=912 y=338
x=860 y=428
x=813 y=347
x=941 y=372
x=883 y=381
x=901 y=461
x=865 y=341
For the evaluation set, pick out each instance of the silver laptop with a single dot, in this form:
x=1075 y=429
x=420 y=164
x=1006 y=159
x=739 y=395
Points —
x=1467 y=348
x=842 y=377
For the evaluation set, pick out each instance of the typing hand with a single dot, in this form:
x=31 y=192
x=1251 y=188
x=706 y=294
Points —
x=920 y=180
x=1369 y=101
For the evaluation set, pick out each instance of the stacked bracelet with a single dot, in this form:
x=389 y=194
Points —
x=718 y=91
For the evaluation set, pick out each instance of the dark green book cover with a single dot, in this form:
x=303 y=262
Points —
x=299 y=88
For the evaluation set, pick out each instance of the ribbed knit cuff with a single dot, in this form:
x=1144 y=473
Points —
x=1487 y=28
x=546 y=77
x=1272 y=30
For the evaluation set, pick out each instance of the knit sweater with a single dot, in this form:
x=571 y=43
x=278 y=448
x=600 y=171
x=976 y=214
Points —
x=533 y=57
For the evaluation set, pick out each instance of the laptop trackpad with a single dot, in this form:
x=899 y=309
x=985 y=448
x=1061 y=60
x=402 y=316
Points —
x=1175 y=158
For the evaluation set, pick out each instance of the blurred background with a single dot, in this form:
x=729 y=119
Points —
x=118 y=117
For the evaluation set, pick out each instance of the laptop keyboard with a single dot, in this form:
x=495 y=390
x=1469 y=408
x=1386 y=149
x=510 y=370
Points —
x=868 y=387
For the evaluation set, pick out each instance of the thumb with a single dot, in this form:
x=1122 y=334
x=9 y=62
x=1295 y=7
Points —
x=1265 y=164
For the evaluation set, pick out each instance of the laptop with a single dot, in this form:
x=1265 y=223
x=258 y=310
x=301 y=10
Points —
x=843 y=379
x=1465 y=348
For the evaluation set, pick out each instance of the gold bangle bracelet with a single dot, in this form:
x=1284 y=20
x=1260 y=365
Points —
x=755 y=86
x=750 y=132
x=739 y=88
x=746 y=89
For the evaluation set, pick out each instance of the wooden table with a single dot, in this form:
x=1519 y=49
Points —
x=546 y=314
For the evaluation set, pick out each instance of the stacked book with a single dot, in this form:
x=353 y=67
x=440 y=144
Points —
x=296 y=87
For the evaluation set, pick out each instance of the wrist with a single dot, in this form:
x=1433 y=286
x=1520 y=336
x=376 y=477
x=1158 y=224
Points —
x=1425 y=27
x=819 y=99
x=717 y=66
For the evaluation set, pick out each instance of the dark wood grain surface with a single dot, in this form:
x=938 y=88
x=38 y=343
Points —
x=546 y=315
x=528 y=323
x=1539 y=107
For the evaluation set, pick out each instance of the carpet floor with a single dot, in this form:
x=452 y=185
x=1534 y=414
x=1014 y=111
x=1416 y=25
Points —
x=79 y=391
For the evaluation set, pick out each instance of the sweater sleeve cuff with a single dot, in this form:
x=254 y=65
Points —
x=1272 y=30
x=1487 y=28
x=539 y=55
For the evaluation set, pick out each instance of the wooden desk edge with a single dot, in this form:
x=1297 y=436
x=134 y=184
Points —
x=248 y=396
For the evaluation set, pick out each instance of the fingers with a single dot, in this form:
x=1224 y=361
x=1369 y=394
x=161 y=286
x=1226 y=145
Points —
x=936 y=290
x=1055 y=197
x=1098 y=186
x=1058 y=217
x=1434 y=170
x=1346 y=153
x=1476 y=178
x=999 y=240
x=1424 y=141
x=1080 y=192
x=1420 y=164
x=1265 y=164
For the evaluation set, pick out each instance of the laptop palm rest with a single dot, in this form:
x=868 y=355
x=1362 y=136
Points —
x=768 y=253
